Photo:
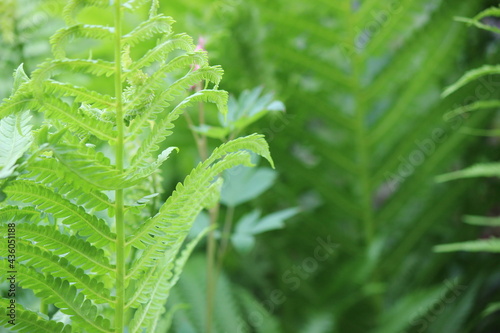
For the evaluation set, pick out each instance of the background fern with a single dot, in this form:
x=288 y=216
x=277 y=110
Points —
x=362 y=84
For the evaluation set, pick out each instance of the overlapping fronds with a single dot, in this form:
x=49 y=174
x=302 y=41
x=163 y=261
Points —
x=59 y=180
x=491 y=169
x=375 y=137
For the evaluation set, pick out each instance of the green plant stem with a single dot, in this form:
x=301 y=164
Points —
x=120 y=228
x=44 y=307
x=203 y=138
x=211 y=272
x=228 y=224
x=202 y=146
x=368 y=223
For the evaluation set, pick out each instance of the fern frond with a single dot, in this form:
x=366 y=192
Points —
x=476 y=106
x=144 y=170
x=470 y=76
x=81 y=125
x=160 y=292
x=64 y=35
x=163 y=49
x=66 y=297
x=210 y=74
x=253 y=142
x=162 y=127
x=15 y=139
x=91 y=285
x=182 y=207
x=78 y=251
x=144 y=313
x=20 y=101
x=28 y=321
x=48 y=171
x=20 y=77
x=478 y=170
x=160 y=102
x=476 y=20
x=180 y=210
x=49 y=68
x=81 y=94
x=90 y=166
x=17 y=214
x=483 y=245
x=73 y=6
x=159 y=24
x=44 y=199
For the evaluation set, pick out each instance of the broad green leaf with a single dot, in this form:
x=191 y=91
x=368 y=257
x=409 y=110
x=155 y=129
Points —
x=242 y=184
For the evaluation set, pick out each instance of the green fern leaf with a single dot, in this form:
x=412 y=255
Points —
x=28 y=321
x=81 y=94
x=78 y=251
x=162 y=127
x=47 y=69
x=91 y=285
x=484 y=245
x=210 y=74
x=70 y=115
x=180 y=210
x=142 y=170
x=92 y=167
x=49 y=172
x=15 y=139
x=73 y=6
x=64 y=296
x=14 y=213
x=163 y=49
x=476 y=106
x=478 y=170
x=159 y=24
x=147 y=314
x=46 y=200
x=470 y=76
x=476 y=21
x=64 y=35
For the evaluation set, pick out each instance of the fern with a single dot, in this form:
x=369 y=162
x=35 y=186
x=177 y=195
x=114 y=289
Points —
x=235 y=306
x=104 y=273
x=361 y=81
x=491 y=169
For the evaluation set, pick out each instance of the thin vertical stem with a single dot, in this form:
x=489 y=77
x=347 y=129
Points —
x=211 y=273
x=226 y=233
x=120 y=230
